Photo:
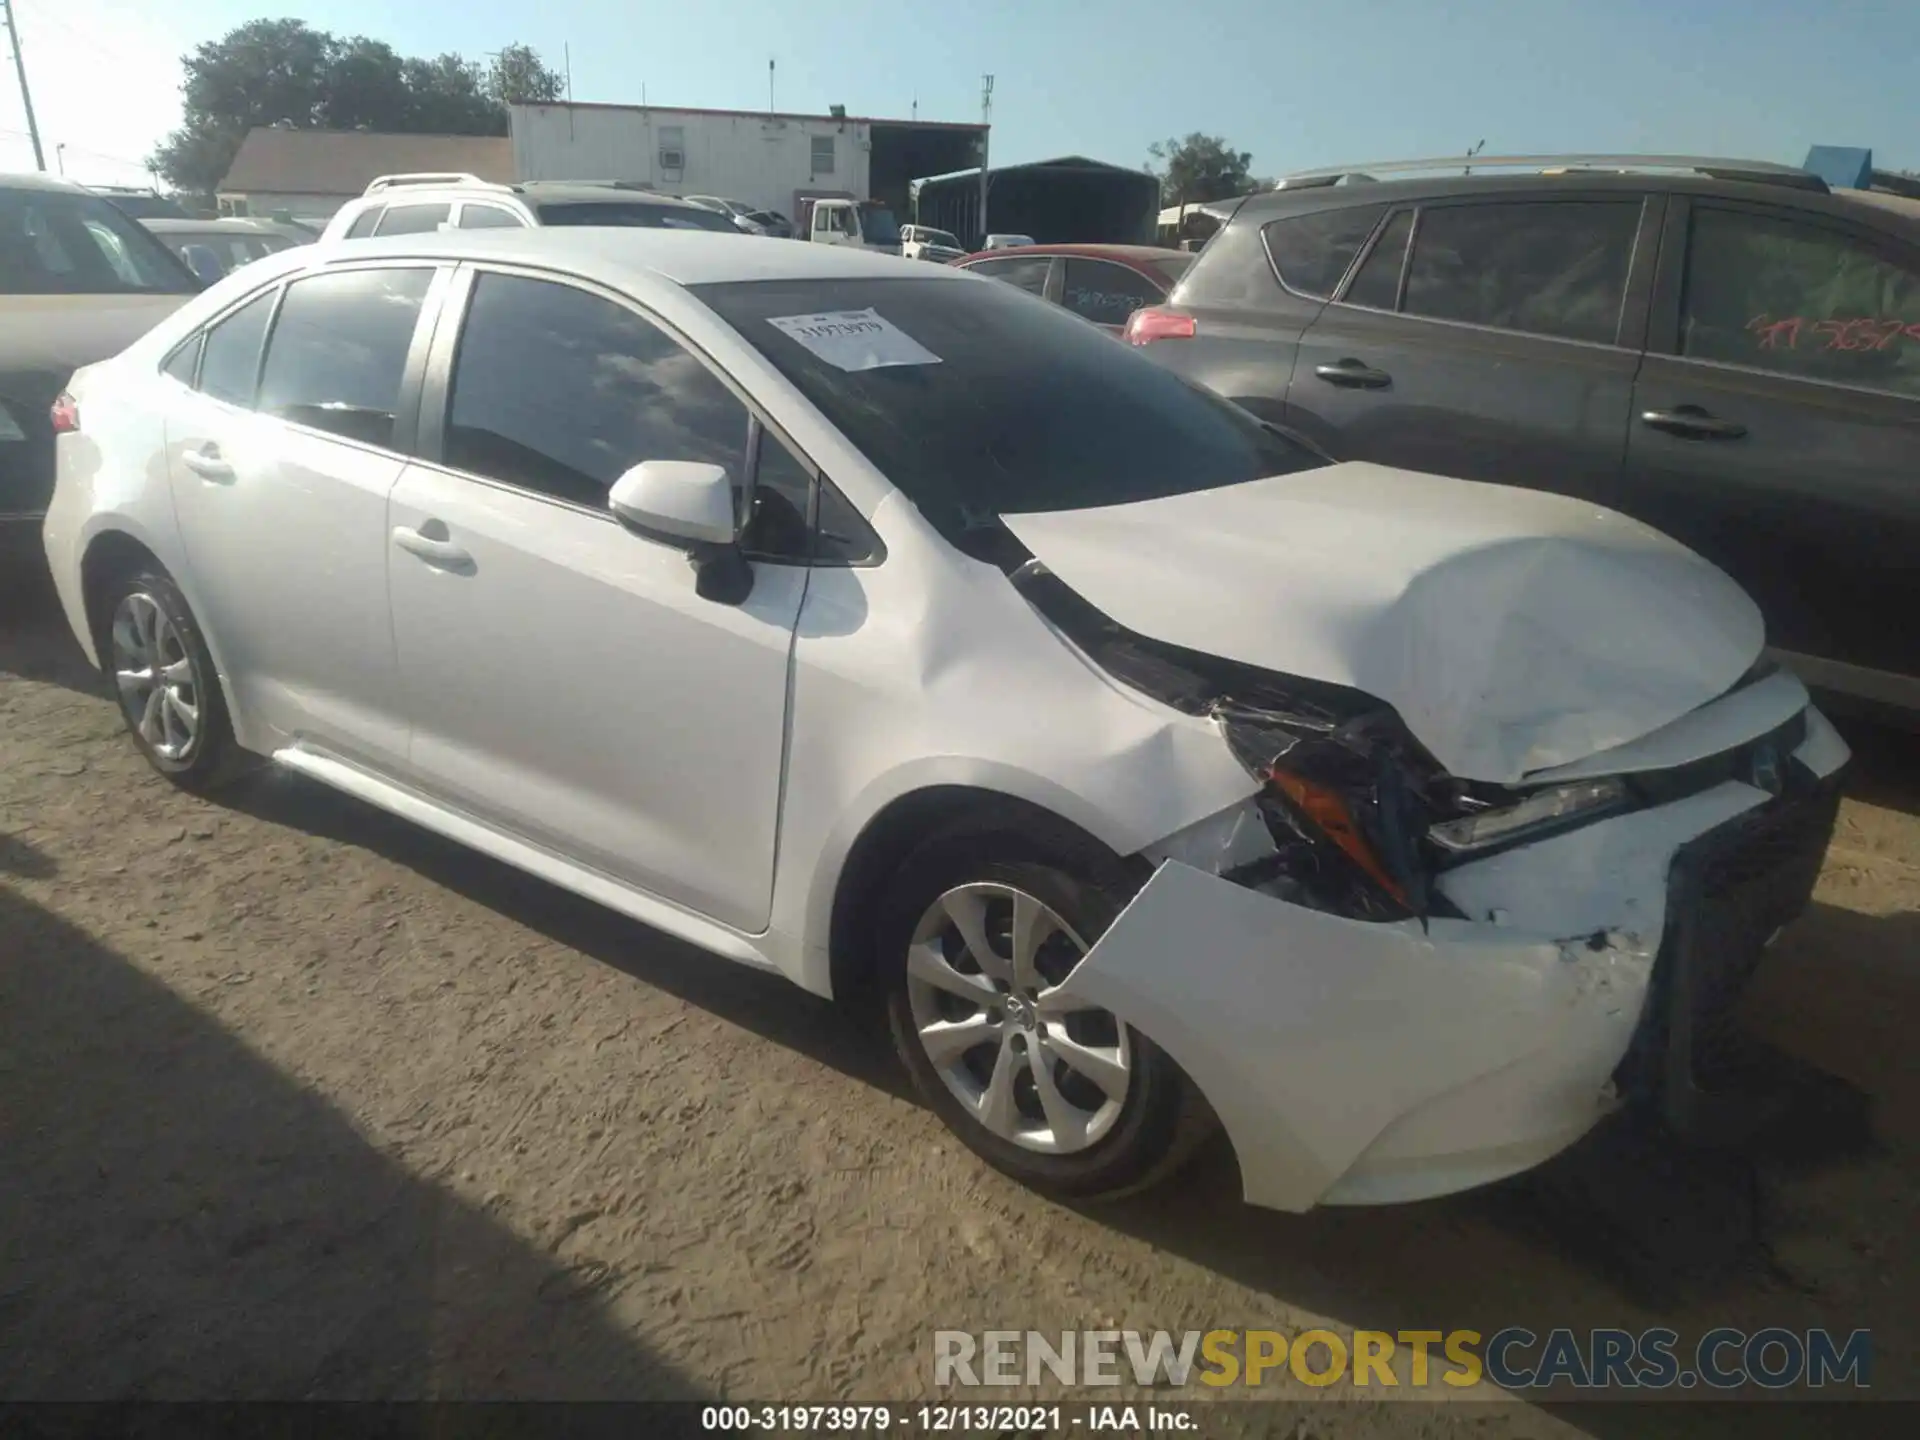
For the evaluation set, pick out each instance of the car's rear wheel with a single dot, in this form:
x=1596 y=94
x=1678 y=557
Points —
x=163 y=678
x=976 y=937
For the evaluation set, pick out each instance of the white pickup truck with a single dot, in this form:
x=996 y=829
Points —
x=923 y=242
x=862 y=224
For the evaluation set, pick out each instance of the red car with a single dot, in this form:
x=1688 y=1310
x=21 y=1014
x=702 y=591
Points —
x=1101 y=283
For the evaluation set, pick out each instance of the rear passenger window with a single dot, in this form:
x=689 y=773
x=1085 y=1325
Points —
x=1377 y=286
x=412 y=219
x=230 y=363
x=1312 y=252
x=1546 y=268
x=562 y=392
x=364 y=222
x=1028 y=272
x=1105 y=293
x=1801 y=299
x=487 y=217
x=339 y=350
x=184 y=360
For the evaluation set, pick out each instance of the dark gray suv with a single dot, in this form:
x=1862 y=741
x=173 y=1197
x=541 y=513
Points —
x=1730 y=353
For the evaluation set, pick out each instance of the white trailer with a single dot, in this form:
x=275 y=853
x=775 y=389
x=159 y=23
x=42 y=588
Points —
x=771 y=160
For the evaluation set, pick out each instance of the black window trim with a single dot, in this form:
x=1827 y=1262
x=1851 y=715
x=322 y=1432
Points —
x=406 y=410
x=1631 y=331
x=1373 y=242
x=436 y=393
x=1353 y=265
x=1669 y=289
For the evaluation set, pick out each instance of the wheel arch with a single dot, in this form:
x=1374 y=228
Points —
x=113 y=551
x=918 y=815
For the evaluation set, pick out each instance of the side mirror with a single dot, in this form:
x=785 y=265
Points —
x=689 y=504
x=682 y=502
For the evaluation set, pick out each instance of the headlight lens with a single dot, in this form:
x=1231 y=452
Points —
x=1541 y=811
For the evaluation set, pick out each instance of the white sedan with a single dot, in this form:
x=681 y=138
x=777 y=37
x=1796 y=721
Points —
x=891 y=629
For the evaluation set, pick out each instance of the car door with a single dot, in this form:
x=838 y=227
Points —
x=564 y=680
x=1104 y=291
x=280 y=465
x=1492 y=339
x=1777 y=428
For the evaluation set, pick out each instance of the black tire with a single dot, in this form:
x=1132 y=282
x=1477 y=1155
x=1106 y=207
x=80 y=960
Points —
x=1162 y=1119
x=211 y=758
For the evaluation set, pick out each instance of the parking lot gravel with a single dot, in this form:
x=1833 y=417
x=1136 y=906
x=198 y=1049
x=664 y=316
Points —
x=299 y=1101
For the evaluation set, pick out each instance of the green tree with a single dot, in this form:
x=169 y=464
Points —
x=520 y=77
x=1198 y=168
x=286 y=73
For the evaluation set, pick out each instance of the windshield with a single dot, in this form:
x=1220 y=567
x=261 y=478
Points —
x=877 y=225
x=1027 y=408
x=636 y=213
x=937 y=237
x=53 y=242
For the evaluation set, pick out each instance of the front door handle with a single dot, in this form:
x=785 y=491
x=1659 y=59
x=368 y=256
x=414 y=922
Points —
x=207 y=463
x=1354 y=375
x=444 y=553
x=1690 y=422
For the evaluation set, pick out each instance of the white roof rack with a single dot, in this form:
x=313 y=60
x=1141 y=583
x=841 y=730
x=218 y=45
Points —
x=430 y=177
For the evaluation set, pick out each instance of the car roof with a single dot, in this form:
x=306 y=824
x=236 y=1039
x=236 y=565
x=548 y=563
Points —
x=616 y=254
x=30 y=181
x=1139 y=256
x=239 y=224
x=1273 y=204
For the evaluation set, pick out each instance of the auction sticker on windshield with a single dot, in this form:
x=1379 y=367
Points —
x=854 y=339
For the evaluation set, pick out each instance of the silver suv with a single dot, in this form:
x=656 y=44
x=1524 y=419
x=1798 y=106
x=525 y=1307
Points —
x=411 y=204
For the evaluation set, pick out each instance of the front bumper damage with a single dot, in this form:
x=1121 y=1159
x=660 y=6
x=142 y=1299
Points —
x=1354 y=1062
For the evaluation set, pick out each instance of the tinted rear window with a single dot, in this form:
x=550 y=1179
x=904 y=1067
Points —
x=1312 y=252
x=1028 y=409
x=636 y=213
x=53 y=242
x=1546 y=268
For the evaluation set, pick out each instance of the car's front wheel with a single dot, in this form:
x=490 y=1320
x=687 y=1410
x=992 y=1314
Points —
x=977 y=934
x=164 y=679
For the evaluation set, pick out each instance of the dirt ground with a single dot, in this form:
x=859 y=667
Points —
x=298 y=1101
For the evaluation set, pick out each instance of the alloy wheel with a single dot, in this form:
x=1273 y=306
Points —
x=985 y=969
x=154 y=673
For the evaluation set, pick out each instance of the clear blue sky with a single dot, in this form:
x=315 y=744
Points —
x=1297 y=82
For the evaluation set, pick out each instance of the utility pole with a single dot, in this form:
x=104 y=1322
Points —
x=986 y=123
x=771 y=107
x=26 y=98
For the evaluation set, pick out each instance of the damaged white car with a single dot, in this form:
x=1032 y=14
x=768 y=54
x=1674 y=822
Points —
x=891 y=629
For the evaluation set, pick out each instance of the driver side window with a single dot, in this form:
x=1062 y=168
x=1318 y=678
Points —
x=561 y=392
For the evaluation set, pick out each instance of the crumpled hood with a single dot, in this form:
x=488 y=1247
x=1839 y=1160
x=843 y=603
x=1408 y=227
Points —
x=1512 y=630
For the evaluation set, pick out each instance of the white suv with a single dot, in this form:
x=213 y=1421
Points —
x=419 y=203
x=892 y=630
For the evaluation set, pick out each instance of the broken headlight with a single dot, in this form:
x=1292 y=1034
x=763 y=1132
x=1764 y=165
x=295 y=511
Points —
x=1541 y=813
x=1342 y=808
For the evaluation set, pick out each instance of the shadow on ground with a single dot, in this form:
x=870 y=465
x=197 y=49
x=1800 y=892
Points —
x=180 y=1220
x=334 y=1262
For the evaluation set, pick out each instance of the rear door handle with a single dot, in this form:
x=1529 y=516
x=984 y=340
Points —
x=1690 y=422
x=443 y=553
x=1354 y=375
x=207 y=463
